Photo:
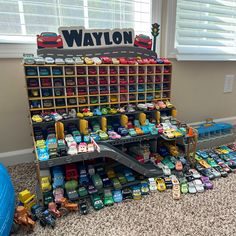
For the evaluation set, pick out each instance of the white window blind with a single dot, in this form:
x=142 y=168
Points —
x=206 y=30
x=21 y=20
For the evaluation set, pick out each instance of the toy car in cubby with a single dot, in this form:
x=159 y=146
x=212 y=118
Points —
x=31 y=71
x=58 y=82
x=44 y=71
x=82 y=90
x=113 y=80
x=70 y=82
x=57 y=71
x=103 y=80
x=81 y=81
x=46 y=82
x=81 y=70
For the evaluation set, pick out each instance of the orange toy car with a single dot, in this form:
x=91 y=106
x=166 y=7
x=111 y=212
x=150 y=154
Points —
x=138 y=130
x=178 y=166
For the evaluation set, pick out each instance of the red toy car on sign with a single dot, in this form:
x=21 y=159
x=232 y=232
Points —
x=143 y=41
x=49 y=40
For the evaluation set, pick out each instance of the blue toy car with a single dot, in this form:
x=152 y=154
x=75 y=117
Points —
x=123 y=131
x=163 y=151
x=31 y=72
x=56 y=71
x=141 y=97
x=132 y=88
x=145 y=129
x=43 y=154
x=58 y=177
x=202 y=154
x=140 y=88
x=43 y=71
x=117 y=196
x=95 y=136
x=128 y=175
x=153 y=129
x=149 y=97
x=83 y=177
x=97 y=112
x=159 y=61
x=86 y=138
x=106 y=181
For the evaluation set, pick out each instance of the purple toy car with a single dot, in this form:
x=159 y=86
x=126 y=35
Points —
x=207 y=183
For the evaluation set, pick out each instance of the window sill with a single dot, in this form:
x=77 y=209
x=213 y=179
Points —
x=16 y=50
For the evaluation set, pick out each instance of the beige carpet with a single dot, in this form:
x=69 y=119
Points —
x=210 y=213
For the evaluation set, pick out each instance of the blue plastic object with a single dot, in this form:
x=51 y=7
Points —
x=7 y=202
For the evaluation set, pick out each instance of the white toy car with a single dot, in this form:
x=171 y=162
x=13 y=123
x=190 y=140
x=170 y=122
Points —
x=142 y=106
x=150 y=106
x=198 y=185
x=195 y=173
x=69 y=140
x=39 y=60
x=59 y=61
x=166 y=170
x=56 y=116
x=69 y=61
x=28 y=59
x=72 y=149
x=97 y=60
x=90 y=147
x=174 y=180
x=49 y=60
x=78 y=60
x=91 y=170
x=152 y=184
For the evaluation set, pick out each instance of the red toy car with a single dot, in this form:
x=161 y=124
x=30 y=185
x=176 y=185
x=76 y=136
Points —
x=70 y=92
x=102 y=71
x=93 y=81
x=140 y=159
x=166 y=61
x=132 y=61
x=158 y=70
x=113 y=71
x=131 y=80
x=103 y=80
x=123 y=70
x=140 y=70
x=131 y=70
x=93 y=90
x=81 y=81
x=149 y=79
x=149 y=70
x=143 y=41
x=123 y=60
x=158 y=79
x=92 y=71
x=106 y=60
x=130 y=125
x=49 y=40
x=46 y=82
x=80 y=71
x=123 y=89
x=71 y=172
x=166 y=70
x=123 y=80
x=82 y=91
x=140 y=79
x=113 y=80
x=152 y=61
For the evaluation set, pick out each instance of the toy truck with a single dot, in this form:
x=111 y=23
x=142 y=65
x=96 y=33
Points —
x=27 y=199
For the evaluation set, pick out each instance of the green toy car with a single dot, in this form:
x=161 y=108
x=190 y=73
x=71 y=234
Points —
x=132 y=132
x=48 y=197
x=82 y=192
x=108 y=199
x=103 y=135
x=211 y=162
x=121 y=178
x=197 y=158
x=168 y=163
x=96 y=202
x=97 y=181
x=116 y=183
x=184 y=188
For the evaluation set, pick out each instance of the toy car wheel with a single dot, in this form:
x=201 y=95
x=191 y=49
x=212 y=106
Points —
x=63 y=211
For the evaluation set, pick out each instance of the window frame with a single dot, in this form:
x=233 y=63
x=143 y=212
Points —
x=171 y=51
x=17 y=49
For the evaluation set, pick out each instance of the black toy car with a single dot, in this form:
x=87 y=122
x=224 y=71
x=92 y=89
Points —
x=83 y=208
x=48 y=197
x=44 y=216
x=127 y=194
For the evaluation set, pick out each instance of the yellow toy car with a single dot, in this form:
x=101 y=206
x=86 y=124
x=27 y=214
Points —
x=113 y=98
x=112 y=111
x=80 y=115
x=37 y=118
x=168 y=104
x=161 y=186
x=45 y=184
x=88 y=113
x=111 y=174
x=204 y=163
x=138 y=131
x=115 y=61
x=177 y=134
x=27 y=199
x=88 y=61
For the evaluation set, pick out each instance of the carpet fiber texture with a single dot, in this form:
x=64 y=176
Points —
x=210 y=213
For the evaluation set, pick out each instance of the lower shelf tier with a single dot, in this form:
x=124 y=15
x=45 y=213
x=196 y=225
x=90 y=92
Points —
x=106 y=150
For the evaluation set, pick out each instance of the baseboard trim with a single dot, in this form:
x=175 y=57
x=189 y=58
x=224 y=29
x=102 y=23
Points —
x=17 y=157
x=27 y=155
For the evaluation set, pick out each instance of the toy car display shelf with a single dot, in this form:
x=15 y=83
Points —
x=63 y=87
